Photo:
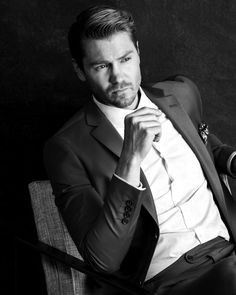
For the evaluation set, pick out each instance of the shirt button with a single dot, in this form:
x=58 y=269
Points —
x=189 y=258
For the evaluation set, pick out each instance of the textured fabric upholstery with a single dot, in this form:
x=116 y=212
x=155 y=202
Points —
x=60 y=279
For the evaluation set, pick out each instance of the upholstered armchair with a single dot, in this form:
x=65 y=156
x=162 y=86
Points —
x=65 y=271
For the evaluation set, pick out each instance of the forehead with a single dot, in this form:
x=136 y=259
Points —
x=108 y=48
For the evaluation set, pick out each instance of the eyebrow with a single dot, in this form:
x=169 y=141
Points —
x=98 y=62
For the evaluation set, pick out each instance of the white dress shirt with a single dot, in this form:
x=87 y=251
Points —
x=187 y=213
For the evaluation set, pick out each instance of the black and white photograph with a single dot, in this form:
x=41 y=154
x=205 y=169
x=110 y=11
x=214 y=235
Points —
x=118 y=147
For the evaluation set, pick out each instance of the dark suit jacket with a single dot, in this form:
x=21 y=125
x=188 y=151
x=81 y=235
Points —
x=114 y=225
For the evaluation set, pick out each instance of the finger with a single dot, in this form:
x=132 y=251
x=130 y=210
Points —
x=143 y=125
x=143 y=118
x=152 y=129
x=135 y=118
x=146 y=110
x=155 y=132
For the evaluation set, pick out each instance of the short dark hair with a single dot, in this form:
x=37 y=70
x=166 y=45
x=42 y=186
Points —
x=98 y=22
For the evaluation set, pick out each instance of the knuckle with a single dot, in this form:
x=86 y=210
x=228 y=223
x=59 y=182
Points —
x=130 y=120
x=133 y=120
x=140 y=124
x=128 y=117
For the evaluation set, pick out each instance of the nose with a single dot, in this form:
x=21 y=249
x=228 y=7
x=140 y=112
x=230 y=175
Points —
x=115 y=73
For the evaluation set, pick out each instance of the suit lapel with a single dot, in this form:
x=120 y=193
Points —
x=107 y=135
x=103 y=130
x=181 y=121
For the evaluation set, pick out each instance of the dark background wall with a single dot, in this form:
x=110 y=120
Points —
x=39 y=91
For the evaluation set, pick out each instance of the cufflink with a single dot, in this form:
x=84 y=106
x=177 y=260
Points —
x=203 y=131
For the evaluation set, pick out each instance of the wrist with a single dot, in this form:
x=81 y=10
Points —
x=129 y=170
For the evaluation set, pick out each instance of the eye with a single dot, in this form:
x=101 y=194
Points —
x=101 y=67
x=125 y=59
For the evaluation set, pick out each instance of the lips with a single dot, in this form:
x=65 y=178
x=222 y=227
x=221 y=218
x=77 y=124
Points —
x=120 y=90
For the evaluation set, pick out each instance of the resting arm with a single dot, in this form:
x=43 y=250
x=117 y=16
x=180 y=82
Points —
x=224 y=156
x=94 y=221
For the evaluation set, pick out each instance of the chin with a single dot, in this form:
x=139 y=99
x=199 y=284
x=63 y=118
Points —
x=123 y=101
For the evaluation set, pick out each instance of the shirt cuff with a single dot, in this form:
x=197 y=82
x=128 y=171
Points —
x=140 y=187
x=229 y=162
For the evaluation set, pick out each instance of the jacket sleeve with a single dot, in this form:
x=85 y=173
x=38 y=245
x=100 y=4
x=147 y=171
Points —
x=222 y=153
x=102 y=227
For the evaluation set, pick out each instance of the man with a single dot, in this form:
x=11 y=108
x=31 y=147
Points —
x=136 y=174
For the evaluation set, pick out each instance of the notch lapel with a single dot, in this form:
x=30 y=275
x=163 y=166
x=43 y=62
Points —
x=182 y=122
x=103 y=130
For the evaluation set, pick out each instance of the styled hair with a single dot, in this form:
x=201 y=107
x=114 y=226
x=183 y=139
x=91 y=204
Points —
x=98 y=22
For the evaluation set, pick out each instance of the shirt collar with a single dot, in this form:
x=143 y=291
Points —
x=117 y=115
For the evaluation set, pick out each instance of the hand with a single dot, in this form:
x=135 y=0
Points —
x=141 y=128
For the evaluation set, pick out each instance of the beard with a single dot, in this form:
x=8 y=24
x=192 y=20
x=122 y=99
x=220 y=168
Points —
x=121 y=95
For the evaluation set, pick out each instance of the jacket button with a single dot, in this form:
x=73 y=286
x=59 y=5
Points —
x=124 y=221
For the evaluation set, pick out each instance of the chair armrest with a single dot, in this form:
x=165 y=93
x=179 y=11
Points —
x=81 y=266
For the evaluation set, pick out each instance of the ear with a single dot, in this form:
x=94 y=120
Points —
x=78 y=70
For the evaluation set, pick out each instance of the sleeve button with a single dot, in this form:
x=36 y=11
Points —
x=124 y=221
x=128 y=209
x=126 y=214
x=129 y=203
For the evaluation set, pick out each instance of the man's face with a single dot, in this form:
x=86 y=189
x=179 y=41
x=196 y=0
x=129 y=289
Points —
x=112 y=70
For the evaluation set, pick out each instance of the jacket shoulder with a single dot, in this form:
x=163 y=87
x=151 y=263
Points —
x=186 y=92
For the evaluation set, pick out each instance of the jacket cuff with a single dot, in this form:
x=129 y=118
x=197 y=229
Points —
x=140 y=187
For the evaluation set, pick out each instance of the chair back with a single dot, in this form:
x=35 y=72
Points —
x=60 y=279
